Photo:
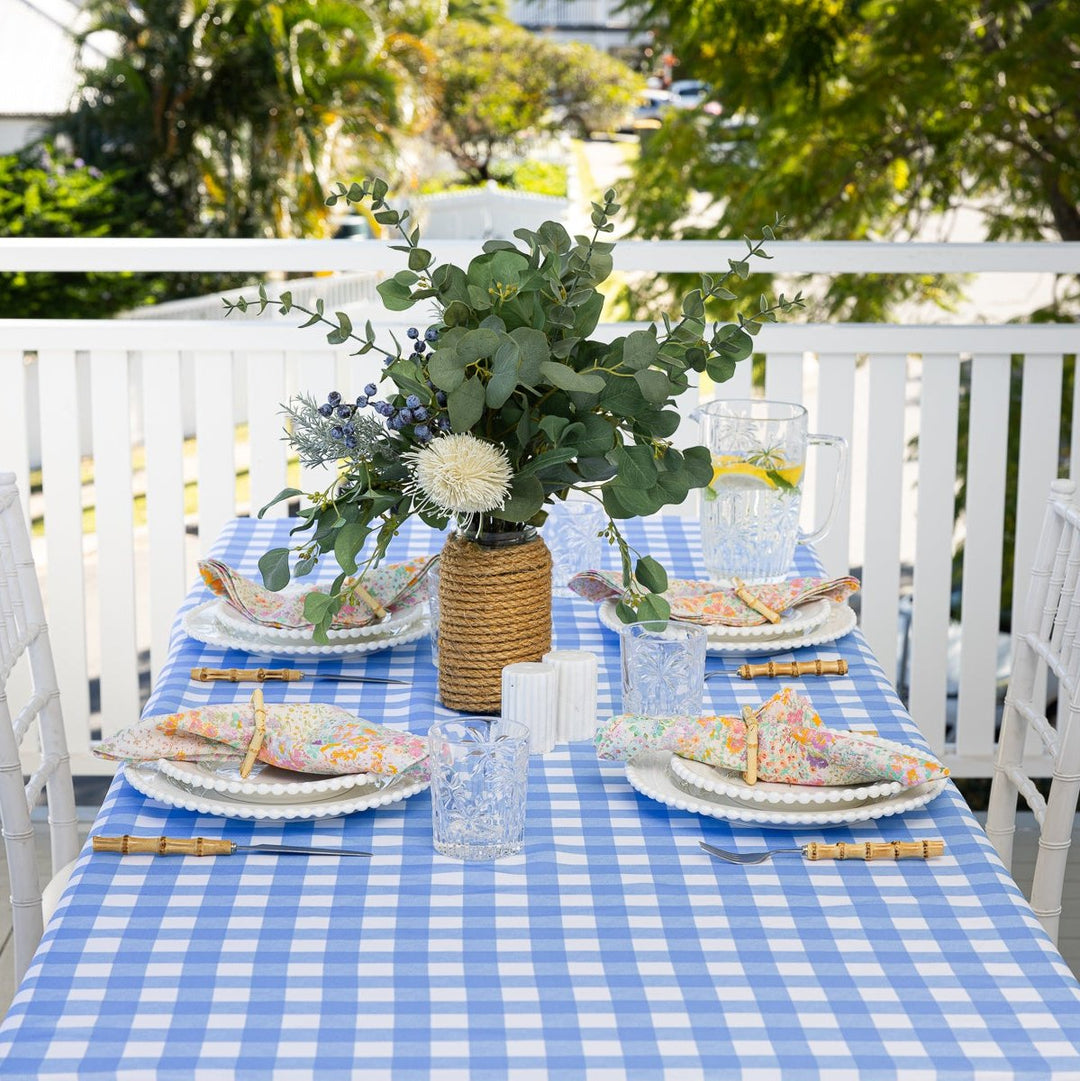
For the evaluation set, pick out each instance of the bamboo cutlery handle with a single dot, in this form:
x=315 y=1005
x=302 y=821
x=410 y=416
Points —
x=246 y=675
x=874 y=850
x=164 y=846
x=793 y=668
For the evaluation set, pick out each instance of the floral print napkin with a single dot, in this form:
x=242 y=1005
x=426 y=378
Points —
x=793 y=746
x=710 y=604
x=395 y=586
x=304 y=736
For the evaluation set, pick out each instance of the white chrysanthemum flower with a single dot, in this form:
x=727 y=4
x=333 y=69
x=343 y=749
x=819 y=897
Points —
x=460 y=474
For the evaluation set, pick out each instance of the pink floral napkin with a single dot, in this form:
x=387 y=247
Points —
x=793 y=747
x=306 y=737
x=395 y=586
x=707 y=603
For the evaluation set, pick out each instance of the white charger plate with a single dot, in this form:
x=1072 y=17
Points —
x=202 y=624
x=725 y=782
x=237 y=623
x=651 y=775
x=268 y=785
x=148 y=780
x=840 y=619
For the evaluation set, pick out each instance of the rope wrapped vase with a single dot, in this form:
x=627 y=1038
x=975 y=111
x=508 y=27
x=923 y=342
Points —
x=494 y=610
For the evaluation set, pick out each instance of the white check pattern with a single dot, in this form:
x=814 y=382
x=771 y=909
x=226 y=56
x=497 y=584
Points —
x=613 y=948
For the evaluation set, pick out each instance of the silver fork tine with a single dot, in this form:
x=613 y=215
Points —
x=745 y=858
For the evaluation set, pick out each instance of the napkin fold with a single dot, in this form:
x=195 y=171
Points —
x=793 y=746
x=394 y=586
x=307 y=737
x=707 y=603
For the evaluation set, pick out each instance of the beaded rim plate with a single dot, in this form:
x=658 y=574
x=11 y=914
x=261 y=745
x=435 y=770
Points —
x=651 y=775
x=269 y=785
x=840 y=619
x=237 y=623
x=202 y=624
x=725 y=782
x=157 y=786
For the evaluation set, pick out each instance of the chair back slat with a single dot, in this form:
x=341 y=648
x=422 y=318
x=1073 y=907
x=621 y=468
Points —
x=1040 y=425
x=25 y=633
x=1044 y=642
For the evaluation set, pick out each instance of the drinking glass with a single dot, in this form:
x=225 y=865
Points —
x=433 y=608
x=663 y=668
x=572 y=534
x=750 y=511
x=479 y=777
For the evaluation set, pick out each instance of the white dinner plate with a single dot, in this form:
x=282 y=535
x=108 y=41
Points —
x=265 y=784
x=148 y=780
x=394 y=623
x=716 y=780
x=202 y=624
x=651 y=775
x=840 y=620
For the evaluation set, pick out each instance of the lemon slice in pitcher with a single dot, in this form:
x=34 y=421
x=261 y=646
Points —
x=731 y=472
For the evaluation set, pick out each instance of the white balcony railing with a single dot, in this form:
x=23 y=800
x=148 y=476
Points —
x=133 y=578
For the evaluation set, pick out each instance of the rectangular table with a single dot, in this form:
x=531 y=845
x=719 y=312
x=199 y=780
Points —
x=612 y=948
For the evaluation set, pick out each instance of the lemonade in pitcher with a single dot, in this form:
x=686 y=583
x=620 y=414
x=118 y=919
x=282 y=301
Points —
x=750 y=512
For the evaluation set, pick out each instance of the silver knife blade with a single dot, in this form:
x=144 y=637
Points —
x=343 y=677
x=298 y=850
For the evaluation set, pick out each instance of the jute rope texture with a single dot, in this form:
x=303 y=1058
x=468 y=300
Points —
x=494 y=610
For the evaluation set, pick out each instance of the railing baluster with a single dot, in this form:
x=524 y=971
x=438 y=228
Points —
x=984 y=514
x=215 y=438
x=884 y=482
x=164 y=439
x=110 y=405
x=940 y=399
x=62 y=485
x=784 y=377
x=834 y=415
x=267 y=450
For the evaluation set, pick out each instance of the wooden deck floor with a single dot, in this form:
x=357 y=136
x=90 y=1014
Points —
x=1024 y=867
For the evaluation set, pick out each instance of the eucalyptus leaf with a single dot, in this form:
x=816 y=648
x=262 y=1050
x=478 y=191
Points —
x=274 y=567
x=466 y=404
x=651 y=575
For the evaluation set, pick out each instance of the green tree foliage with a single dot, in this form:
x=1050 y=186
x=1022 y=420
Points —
x=861 y=118
x=45 y=194
x=500 y=84
x=231 y=115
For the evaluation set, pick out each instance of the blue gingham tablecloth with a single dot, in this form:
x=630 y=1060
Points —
x=612 y=948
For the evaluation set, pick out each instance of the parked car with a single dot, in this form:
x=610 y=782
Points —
x=647 y=111
x=689 y=93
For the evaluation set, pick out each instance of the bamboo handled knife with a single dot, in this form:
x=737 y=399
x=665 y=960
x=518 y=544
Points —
x=205 y=846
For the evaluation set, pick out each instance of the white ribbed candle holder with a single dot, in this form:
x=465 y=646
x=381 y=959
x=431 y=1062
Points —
x=576 y=713
x=530 y=694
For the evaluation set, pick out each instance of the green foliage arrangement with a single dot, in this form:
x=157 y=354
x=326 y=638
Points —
x=510 y=371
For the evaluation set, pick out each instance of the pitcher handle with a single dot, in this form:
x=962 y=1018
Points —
x=841 y=446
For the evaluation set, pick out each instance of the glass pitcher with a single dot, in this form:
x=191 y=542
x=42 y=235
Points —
x=750 y=510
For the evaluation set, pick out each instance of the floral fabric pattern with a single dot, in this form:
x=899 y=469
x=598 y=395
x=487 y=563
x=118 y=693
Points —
x=304 y=737
x=396 y=586
x=793 y=746
x=707 y=603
